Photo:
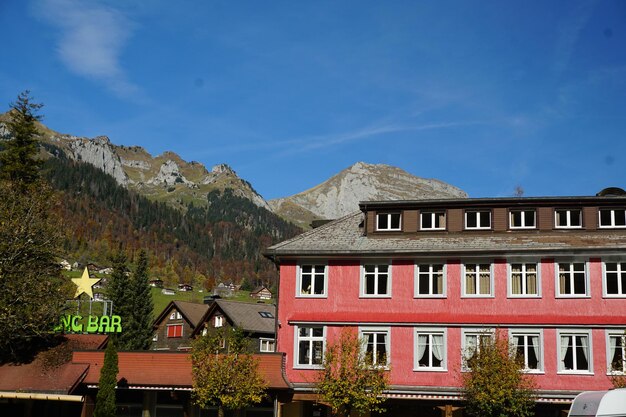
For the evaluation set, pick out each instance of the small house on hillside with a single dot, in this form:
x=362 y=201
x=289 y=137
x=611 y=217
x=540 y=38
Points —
x=258 y=321
x=185 y=287
x=157 y=283
x=175 y=325
x=168 y=291
x=261 y=293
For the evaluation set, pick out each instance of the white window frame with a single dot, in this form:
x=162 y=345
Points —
x=524 y=293
x=621 y=270
x=430 y=331
x=389 y=228
x=182 y=331
x=513 y=332
x=574 y=332
x=264 y=342
x=464 y=293
x=218 y=321
x=557 y=287
x=523 y=218
x=568 y=217
x=479 y=215
x=296 y=349
x=430 y=274
x=363 y=286
x=609 y=355
x=433 y=216
x=612 y=225
x=312 y=264
x=377 y=330
x=475 y=331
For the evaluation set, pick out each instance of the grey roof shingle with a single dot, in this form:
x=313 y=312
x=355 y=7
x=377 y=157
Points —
x=247 y=317
x=345 y=237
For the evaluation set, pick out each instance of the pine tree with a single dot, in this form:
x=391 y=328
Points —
x=140 y=325
x=119 y=291
x=18 y=159
x=105 y=399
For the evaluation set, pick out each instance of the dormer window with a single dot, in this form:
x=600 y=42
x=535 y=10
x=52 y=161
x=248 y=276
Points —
x=433 y=220
x=218 y=321
x=477 y=219
x=568 y=219
x=612 y=218
x=522 y=219
x=386 y=222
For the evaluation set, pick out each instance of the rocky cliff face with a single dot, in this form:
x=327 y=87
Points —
x=340 y=195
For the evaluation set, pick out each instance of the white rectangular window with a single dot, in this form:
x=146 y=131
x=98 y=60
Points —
x=375 y=280
x=310 y=342
x=575 y=351
x=432 y=220
x=430 y=350
x=528 y=347
x=430 y=280
x=478 y=280
x=388 y=221
x=478 y=219
x=472 y=341
x=568 y=219
x=312 y=280
x=522 y=219
x=266 y=345
x=572 y=279
x=523 y=280
x=612 y=218
x=218 y=321
x=615 y=279
x=616 y=354
x=376 y=345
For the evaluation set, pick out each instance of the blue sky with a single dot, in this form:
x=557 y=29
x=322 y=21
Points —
x=485 y=95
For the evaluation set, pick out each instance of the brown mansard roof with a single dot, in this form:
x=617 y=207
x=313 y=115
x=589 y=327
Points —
x=345 y=236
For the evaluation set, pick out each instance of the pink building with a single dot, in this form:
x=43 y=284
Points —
x=423 y=281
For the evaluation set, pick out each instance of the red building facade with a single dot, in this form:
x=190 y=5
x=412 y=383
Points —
x=423 y=281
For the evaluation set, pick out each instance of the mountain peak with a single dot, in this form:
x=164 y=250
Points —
x=223 y=169
x=341 y=194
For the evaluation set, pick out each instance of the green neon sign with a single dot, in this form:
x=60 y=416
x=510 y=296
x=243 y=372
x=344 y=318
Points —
x=90 y=324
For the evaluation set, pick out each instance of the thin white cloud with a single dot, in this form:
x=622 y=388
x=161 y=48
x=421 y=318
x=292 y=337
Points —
x=92 y=37
x=568 y=32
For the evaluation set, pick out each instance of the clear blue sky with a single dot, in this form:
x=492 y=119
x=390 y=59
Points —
x=485 y=95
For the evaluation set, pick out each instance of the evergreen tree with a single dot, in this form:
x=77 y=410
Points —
x=140 y=325
x=105 y=399
x=17 y=160
x=119 y=291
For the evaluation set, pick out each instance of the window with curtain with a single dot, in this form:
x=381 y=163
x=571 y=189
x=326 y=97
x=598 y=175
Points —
x=429 y=280
x=523 y=279
x=472 y=341
x=572 y=279
x=432 y=220
x=376 y=280
x=312 y=280
x=528 y=349
x=616 y=353
x=430 y=350
x=574 y=352
x=478 y=279
x=615 y=278
x=376 y=346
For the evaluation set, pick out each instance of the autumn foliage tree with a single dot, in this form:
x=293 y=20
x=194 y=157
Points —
x=349 y=382
x=224 y=374
x=495 y=384
x=32 y=290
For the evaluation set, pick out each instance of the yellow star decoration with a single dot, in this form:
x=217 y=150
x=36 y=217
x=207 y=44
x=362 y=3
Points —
x=84 y=284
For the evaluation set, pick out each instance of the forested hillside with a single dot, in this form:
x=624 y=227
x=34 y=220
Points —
x=220 y=242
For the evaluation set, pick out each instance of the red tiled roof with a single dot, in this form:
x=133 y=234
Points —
x=168 y=369
x=41 y=375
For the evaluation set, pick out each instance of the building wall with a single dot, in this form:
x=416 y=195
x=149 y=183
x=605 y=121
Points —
x=172 y=343
x=403 y=312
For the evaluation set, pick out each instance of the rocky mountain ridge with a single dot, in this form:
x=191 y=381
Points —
x=340 y=195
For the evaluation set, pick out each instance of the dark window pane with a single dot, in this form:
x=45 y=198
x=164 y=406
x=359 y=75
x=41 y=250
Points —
x=516 y=218
x=611 y=283
x=369 y=284
x=605 y=217
x=471 y=219
x=304 y=353
x=620 y=218
x=529 y=218
x=382 y=284
x=579 y=283
x=395 y=220
x=427 y=221
x=382 y=221
x=318 y=332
